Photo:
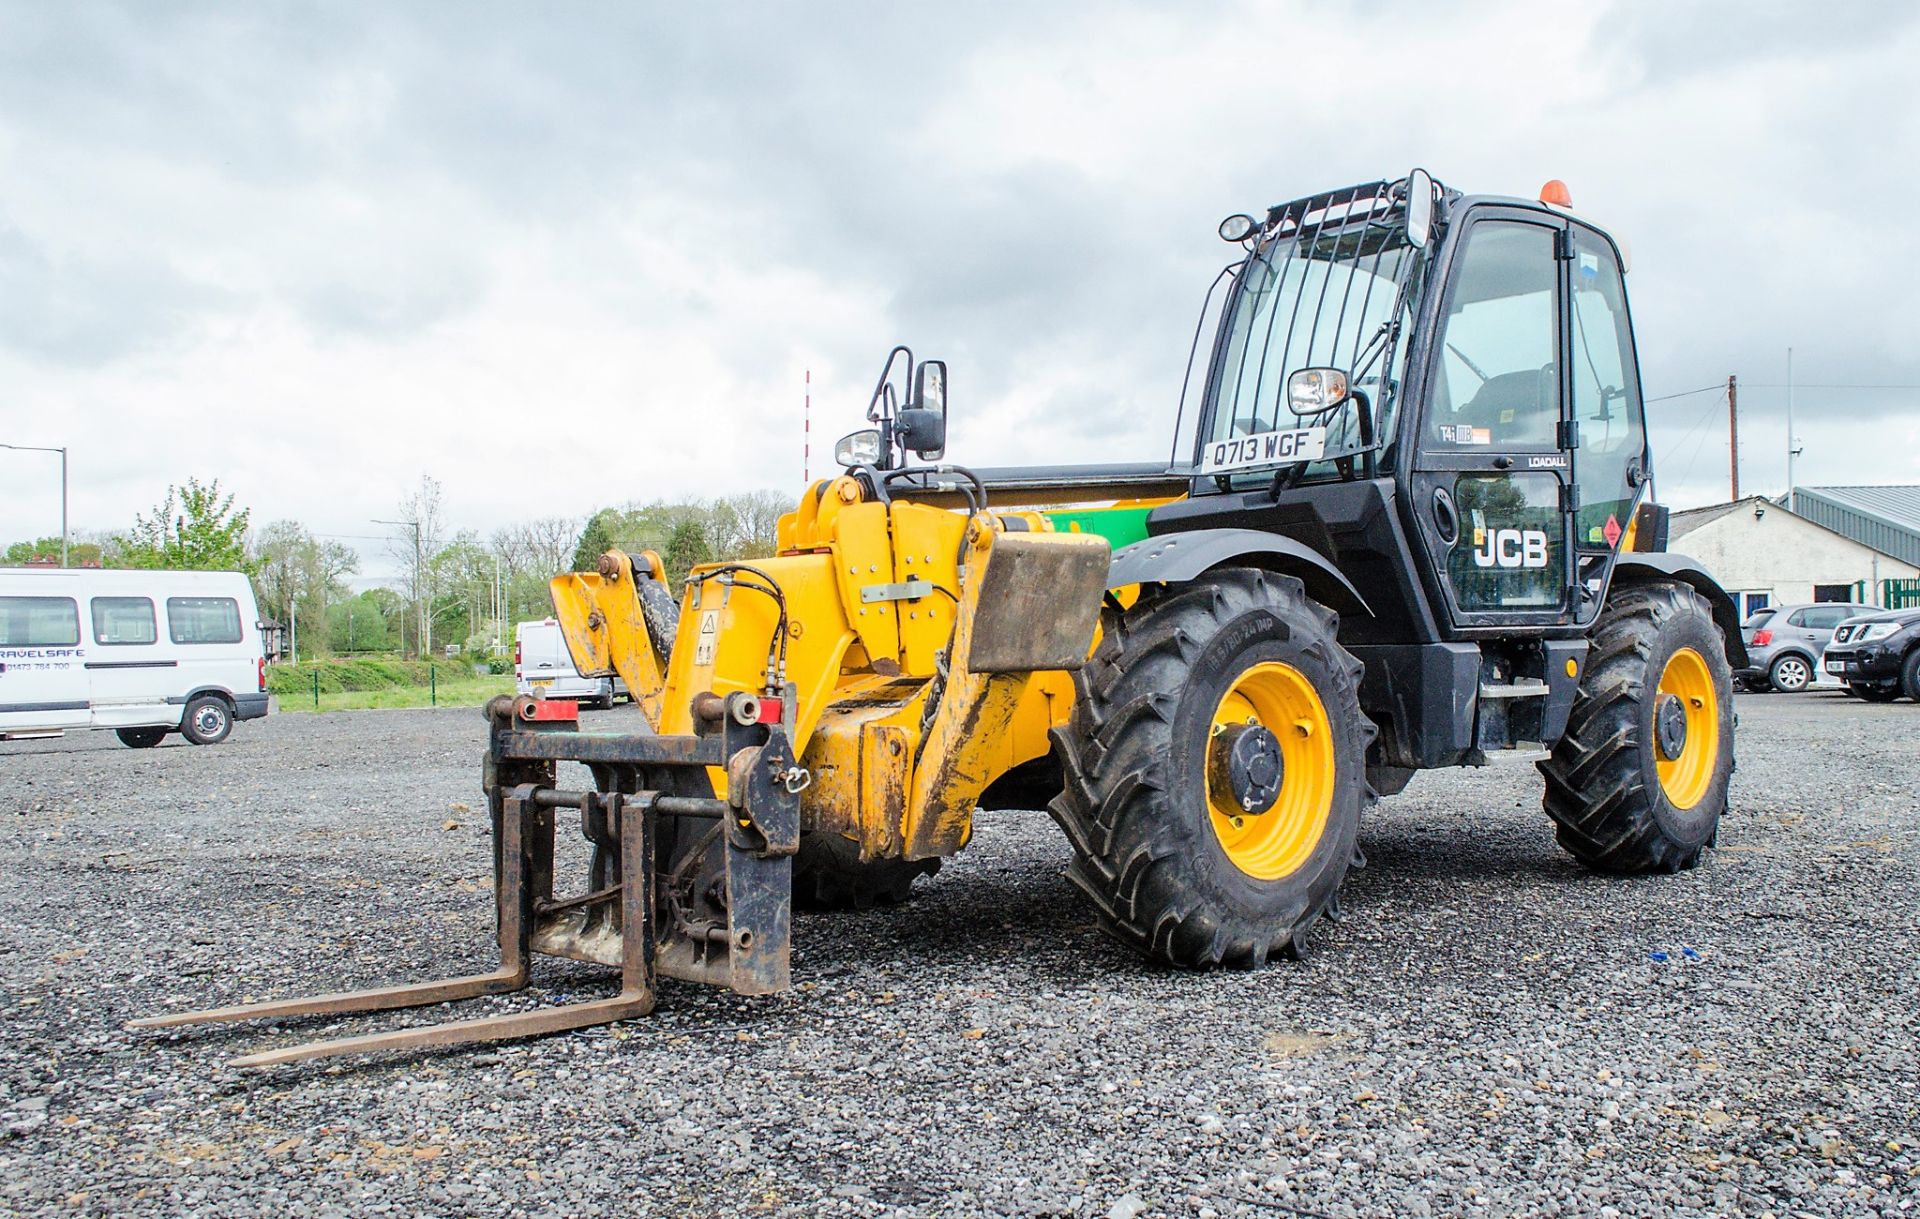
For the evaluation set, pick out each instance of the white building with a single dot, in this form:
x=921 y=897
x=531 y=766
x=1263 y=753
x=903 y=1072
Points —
x=1766 y=555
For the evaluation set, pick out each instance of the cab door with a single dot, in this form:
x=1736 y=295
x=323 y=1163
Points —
x=1491 y=476
x=1610 y=461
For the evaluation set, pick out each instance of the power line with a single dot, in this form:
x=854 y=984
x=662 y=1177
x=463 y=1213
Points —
x=1700 y=427
x=1705 y=389
x=1816 y=385
x=1688 y=393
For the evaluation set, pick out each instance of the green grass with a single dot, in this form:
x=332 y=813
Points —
x=361 y=684
x=472 y=692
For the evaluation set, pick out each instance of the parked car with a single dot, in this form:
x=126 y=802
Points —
x=1785 y=642
x=1878 y=655
x=144 y=653
x=543 y=667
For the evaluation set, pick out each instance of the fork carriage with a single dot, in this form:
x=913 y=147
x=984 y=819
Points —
x=706 y=881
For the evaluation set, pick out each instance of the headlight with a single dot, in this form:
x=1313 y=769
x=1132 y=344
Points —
x=1875 y=630
x=860 y=448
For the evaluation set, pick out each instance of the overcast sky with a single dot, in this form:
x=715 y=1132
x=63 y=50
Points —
x=560 y=256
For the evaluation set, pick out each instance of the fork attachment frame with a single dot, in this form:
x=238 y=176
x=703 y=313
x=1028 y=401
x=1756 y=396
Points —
x=682 y=883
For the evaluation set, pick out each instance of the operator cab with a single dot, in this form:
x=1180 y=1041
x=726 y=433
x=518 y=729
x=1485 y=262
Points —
x=1472 y=358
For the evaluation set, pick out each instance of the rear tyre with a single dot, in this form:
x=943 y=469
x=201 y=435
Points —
x=828 y=875
x=1790 y=674
x=1215 y=769
x=1873 y=694
x=208 y=720
x=1639 y=781
x=140 y=738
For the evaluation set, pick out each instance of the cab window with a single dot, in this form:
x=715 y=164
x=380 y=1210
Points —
x=1606 y=392
x=1494 y=382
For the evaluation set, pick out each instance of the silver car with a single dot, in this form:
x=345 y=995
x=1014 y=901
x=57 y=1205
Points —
x=1785 y=642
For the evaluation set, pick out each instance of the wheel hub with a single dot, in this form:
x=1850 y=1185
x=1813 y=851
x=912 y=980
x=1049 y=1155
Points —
x=1244 y=759
x=1670 y=726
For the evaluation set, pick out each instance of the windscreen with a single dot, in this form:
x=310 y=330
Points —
x=1324 y=290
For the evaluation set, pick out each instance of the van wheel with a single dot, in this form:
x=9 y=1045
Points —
x=140 y=738
x=208 y=720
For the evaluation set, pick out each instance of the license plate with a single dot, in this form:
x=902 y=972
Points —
x=1836 y=666
x=541 y=683
x=1263 y=449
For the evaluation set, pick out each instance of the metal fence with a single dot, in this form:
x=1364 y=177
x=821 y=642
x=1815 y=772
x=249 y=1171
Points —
x=1900 y=594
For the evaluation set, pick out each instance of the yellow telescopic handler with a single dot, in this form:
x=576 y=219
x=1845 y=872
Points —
x=1414 y=528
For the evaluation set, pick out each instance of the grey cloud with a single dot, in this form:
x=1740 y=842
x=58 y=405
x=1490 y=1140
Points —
x=81 y=311
x=799 y=138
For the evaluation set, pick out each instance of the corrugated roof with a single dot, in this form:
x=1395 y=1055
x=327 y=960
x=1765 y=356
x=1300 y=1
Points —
x=1899 y=504
x=1884 y=517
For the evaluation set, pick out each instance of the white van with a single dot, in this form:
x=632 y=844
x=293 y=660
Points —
x=142 y=652
x=543 y=667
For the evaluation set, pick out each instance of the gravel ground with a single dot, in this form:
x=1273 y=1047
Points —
x=1487 y=1032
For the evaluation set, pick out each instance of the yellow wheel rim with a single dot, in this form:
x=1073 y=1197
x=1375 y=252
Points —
x=1685 y=779
x=1275 y=843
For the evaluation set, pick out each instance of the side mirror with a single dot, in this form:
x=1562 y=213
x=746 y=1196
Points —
x=1419 y=209
x=922 y=426
x=860 y=448
x=1314 y=390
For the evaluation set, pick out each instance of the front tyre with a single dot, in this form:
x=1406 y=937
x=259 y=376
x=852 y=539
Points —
x=828 y=874
x=1639 y=781
x=208 y=720
x=1215 y=770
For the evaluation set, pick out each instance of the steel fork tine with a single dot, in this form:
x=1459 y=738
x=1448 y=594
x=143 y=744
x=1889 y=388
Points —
x=636 y=997
x=464 y=1032
x=515 y=909
x=419 y=994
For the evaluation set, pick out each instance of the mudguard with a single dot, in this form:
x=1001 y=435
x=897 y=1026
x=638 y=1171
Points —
x=1636 y=566
x=1177 y=557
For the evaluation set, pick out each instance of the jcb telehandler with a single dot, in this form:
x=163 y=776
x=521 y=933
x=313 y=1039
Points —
x=1414 y=529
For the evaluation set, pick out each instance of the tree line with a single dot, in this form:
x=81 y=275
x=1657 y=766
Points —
x=455 y=588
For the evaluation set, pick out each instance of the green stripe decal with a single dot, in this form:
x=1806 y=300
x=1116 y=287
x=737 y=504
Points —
x=1120 y=526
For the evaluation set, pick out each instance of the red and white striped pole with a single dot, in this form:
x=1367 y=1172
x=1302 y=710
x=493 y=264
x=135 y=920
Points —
x=806 y=436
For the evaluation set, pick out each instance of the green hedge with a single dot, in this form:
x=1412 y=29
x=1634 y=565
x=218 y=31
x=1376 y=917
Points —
x=337 y=676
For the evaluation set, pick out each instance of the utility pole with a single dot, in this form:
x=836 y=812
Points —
x=1793 y=447
x=423 y=634
x=1733 y=434
x=35 y=448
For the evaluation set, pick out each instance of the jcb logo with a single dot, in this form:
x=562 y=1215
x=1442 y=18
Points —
x=1511 y=548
